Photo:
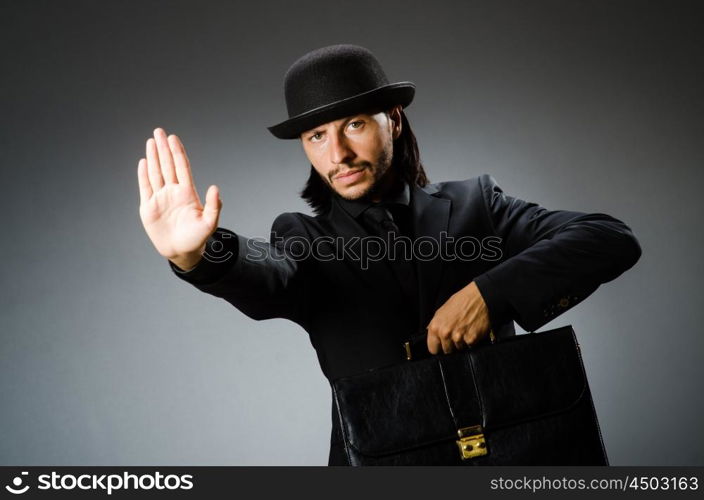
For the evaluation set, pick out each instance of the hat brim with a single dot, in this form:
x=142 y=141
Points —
x=389 y=95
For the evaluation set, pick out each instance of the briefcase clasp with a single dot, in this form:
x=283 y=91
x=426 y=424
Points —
x=471 y=442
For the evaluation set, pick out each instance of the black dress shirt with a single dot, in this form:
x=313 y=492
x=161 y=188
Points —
x=398 y=204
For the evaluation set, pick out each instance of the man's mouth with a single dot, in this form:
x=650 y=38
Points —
x=350 y=177
x=348 y=173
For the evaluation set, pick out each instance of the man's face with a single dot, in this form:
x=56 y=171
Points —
x=353 y=153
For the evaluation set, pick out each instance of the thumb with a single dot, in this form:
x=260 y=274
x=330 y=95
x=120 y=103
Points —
x=213 y=204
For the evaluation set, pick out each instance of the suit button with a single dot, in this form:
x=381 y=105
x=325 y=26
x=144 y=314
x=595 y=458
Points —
x=564 y=302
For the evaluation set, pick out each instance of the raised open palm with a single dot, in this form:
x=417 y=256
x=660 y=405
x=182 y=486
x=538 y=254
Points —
x=171 y=212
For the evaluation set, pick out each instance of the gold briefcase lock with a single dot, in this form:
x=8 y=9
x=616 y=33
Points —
x=471 y=442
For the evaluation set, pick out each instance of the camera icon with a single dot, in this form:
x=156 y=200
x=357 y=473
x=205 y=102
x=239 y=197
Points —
x=17 y=483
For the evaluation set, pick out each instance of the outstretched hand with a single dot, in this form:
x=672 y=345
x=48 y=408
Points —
x=171 y=212
x=461 y=321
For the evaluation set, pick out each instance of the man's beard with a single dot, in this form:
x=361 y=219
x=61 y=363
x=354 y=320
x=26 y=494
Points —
x=378 y=169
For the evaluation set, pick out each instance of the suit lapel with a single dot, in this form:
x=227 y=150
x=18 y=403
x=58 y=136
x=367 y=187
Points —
x=430 y=217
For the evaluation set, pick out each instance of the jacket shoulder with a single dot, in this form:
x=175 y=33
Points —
x=465 y=190
x=296 y=223
x=295 y=218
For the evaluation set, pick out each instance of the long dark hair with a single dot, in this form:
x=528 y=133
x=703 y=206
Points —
x=405 y=161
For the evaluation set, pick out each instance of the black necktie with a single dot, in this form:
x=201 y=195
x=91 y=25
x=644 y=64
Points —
x=382 y=224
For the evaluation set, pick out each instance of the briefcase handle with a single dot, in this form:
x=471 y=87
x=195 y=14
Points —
x=417 y=346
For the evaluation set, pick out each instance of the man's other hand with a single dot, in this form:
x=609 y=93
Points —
x=171 y=212
x=460 y=322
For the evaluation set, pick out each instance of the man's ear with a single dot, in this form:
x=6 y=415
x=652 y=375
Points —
x=395 y=116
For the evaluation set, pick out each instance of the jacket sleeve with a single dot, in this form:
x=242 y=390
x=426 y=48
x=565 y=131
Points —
x=263 y=280
x=551 y=260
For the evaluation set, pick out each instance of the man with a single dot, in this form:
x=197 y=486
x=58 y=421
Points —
x=471 y=260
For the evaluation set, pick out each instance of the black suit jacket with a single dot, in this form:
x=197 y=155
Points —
x=536 y=264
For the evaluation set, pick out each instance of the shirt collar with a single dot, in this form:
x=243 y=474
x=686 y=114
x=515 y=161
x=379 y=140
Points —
x=356 y=207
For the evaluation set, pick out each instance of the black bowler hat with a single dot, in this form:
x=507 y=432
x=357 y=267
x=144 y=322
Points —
x=333 y=82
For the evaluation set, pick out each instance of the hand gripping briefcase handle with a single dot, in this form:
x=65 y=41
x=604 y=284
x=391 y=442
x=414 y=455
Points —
x=523 y=400
x=416 y=347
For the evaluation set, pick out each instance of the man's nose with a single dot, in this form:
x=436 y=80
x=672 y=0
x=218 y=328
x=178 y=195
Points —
x=340 y=151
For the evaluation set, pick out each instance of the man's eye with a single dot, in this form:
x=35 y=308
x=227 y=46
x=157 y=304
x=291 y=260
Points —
x=356 y=124
x=316 y=136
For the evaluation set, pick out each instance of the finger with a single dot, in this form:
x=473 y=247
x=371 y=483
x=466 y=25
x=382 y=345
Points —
x=470 y=338
x=165 y=159
x=181 y=162
x=213 y=204
x=153 y=168
x=447 y=345
x=457 y=340
x=434 y=345
x=145 y=189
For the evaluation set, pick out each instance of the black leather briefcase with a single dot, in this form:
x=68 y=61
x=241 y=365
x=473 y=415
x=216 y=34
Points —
x=524 y=400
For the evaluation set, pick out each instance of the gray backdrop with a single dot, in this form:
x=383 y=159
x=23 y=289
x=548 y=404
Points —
x=108 y=358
